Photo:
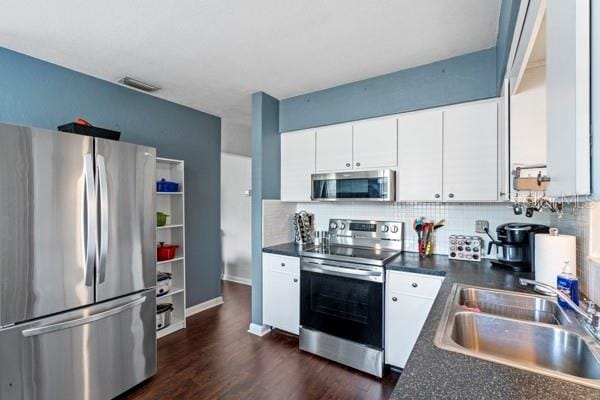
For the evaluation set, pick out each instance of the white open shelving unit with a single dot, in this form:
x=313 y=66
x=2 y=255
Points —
x=172 y=233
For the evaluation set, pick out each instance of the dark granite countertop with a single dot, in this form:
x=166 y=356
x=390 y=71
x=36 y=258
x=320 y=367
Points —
x=433 y=373
x=284 y=249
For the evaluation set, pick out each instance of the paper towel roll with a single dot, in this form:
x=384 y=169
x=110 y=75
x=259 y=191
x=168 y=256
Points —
x=552 y=253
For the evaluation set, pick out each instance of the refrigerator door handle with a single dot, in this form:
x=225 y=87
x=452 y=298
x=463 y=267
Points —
x=88 y=219
x=102 y=188
x=81 y=321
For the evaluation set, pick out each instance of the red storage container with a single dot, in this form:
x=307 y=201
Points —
x=166 y=252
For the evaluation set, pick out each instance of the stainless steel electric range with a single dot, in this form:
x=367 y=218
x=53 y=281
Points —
x=342 y=292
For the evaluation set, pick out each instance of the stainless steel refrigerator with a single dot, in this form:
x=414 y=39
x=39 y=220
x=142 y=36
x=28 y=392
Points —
x=77 y=265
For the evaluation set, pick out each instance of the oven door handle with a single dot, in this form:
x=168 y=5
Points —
x=348 y=272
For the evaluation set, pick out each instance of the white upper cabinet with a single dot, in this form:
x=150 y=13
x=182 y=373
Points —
x=334 y=148
x=420 y=139
x=568 y=96
x=471 y=152
x=297 y=164
x=445 y=154
x=374 y=143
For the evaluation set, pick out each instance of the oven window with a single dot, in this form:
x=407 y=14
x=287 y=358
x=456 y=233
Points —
x=365 y=188
x=348 y=308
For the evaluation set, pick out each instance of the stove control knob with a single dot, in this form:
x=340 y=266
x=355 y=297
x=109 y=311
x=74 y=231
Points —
x=395 y=229
x=385 y=228
x=333 y=225
x=342 y=226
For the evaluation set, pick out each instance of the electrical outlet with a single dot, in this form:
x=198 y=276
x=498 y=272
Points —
x=481 y=226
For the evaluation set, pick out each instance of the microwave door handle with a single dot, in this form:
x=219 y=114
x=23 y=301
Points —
x=102 y=246
x=88 y=219
x=81 y=321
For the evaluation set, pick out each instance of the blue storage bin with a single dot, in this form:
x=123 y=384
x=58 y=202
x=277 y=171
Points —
x=165 y=186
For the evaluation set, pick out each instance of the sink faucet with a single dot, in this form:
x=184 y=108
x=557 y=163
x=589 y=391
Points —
x=591 y=317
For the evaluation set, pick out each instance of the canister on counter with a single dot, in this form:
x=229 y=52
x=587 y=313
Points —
x=569 y=285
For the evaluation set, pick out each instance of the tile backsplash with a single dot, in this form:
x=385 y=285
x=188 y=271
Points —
x=277 y=222
x=581 y=221
x=460 y=217
x=584 y=223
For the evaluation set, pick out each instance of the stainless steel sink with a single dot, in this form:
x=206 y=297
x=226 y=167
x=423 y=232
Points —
x=512 y=305
x=520 y=330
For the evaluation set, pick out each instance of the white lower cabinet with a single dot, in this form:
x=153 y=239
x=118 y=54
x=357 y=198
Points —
x=408 y=299
x=281 y=292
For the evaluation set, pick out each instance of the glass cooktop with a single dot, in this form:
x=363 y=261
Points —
x=353 y=254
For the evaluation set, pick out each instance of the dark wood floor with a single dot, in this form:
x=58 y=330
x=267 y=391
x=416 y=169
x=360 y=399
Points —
x=216 y=358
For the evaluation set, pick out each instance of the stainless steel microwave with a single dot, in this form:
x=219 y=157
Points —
x=378 y=185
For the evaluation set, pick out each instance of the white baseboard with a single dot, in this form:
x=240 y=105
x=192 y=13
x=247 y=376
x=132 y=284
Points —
x=217 y=301
x=259 y=330
x=237 y=279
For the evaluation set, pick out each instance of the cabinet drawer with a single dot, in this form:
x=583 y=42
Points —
x=413 y=284
x=277 y=263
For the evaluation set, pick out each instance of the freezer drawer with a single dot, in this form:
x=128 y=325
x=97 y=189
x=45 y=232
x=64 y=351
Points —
x=94 y=353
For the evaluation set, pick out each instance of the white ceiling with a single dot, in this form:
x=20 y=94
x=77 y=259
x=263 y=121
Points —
x=212 y=54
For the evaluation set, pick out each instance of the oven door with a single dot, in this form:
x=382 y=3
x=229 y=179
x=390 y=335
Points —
x=361 y=185
x=343 y=299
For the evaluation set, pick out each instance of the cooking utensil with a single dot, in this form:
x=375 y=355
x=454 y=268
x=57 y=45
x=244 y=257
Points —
x=166 y=252
x=161 y=218
x=440 y=223
x=418 y=227
x=427 y=229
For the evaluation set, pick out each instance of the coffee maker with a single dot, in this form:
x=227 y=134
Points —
x=515 y=246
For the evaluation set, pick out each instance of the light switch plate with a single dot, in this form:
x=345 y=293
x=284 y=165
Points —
x=481 y=226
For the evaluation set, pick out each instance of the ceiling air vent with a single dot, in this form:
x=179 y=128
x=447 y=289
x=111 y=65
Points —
x=135 y=83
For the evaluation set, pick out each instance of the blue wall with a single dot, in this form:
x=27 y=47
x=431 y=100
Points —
x=40 y=94
x=455 y=80
x=265 y=181
x=509 y=11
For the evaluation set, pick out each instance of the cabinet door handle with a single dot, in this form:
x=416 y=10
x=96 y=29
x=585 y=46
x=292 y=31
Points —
x=358 y=164
x=295 y=280
x=394 y=299
x=437 y=196
x=415 y=284
x=451 y=195
x=283 y=264
x=348 y=164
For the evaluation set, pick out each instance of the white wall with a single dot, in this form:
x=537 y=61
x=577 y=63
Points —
x=235 y=138
x=528 y=127
x=236 y=217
